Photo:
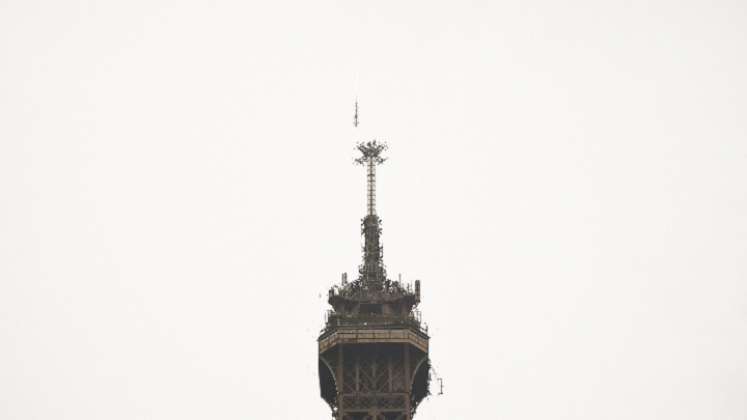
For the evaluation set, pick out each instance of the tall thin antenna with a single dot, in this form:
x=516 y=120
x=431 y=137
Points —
x=371 y=157
x=372 y=271
x=355 y=117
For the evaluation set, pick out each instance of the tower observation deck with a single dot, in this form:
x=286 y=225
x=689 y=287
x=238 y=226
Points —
x=373 y=349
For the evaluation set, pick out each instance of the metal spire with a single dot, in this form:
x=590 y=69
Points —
x=371 y=157
x=372 y=271
x=355 y=117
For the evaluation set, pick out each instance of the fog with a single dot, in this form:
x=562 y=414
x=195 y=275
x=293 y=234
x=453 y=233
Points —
x=567 y=180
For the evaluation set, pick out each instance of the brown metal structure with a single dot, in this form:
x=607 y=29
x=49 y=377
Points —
x=373 y=350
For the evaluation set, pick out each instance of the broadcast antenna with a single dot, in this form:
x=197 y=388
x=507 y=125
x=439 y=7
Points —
x=355 y=117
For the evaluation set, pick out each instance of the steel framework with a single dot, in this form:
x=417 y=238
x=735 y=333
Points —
x=373 y=350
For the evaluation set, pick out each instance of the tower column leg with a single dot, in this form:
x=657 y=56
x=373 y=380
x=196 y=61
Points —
x=407 y=376
x=340 y=385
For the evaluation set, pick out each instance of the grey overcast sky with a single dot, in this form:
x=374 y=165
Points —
x=567 y=178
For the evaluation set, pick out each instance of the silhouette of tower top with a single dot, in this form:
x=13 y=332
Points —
x=373 y=349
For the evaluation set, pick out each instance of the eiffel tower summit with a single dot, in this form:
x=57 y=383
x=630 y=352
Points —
x=373 y=350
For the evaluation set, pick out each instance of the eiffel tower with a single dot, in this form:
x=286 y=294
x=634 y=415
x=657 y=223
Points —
x=373 y=350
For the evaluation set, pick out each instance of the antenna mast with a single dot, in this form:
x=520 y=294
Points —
x=355 y=117
x=371 y=157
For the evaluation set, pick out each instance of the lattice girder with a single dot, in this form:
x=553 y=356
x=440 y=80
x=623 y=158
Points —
x=375 y=380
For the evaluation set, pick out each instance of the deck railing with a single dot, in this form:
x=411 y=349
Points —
x=412 y=320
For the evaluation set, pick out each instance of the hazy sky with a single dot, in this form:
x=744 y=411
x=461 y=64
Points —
x=567 y=178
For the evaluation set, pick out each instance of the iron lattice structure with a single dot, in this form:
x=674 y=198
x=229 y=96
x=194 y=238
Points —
x=373 y=350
